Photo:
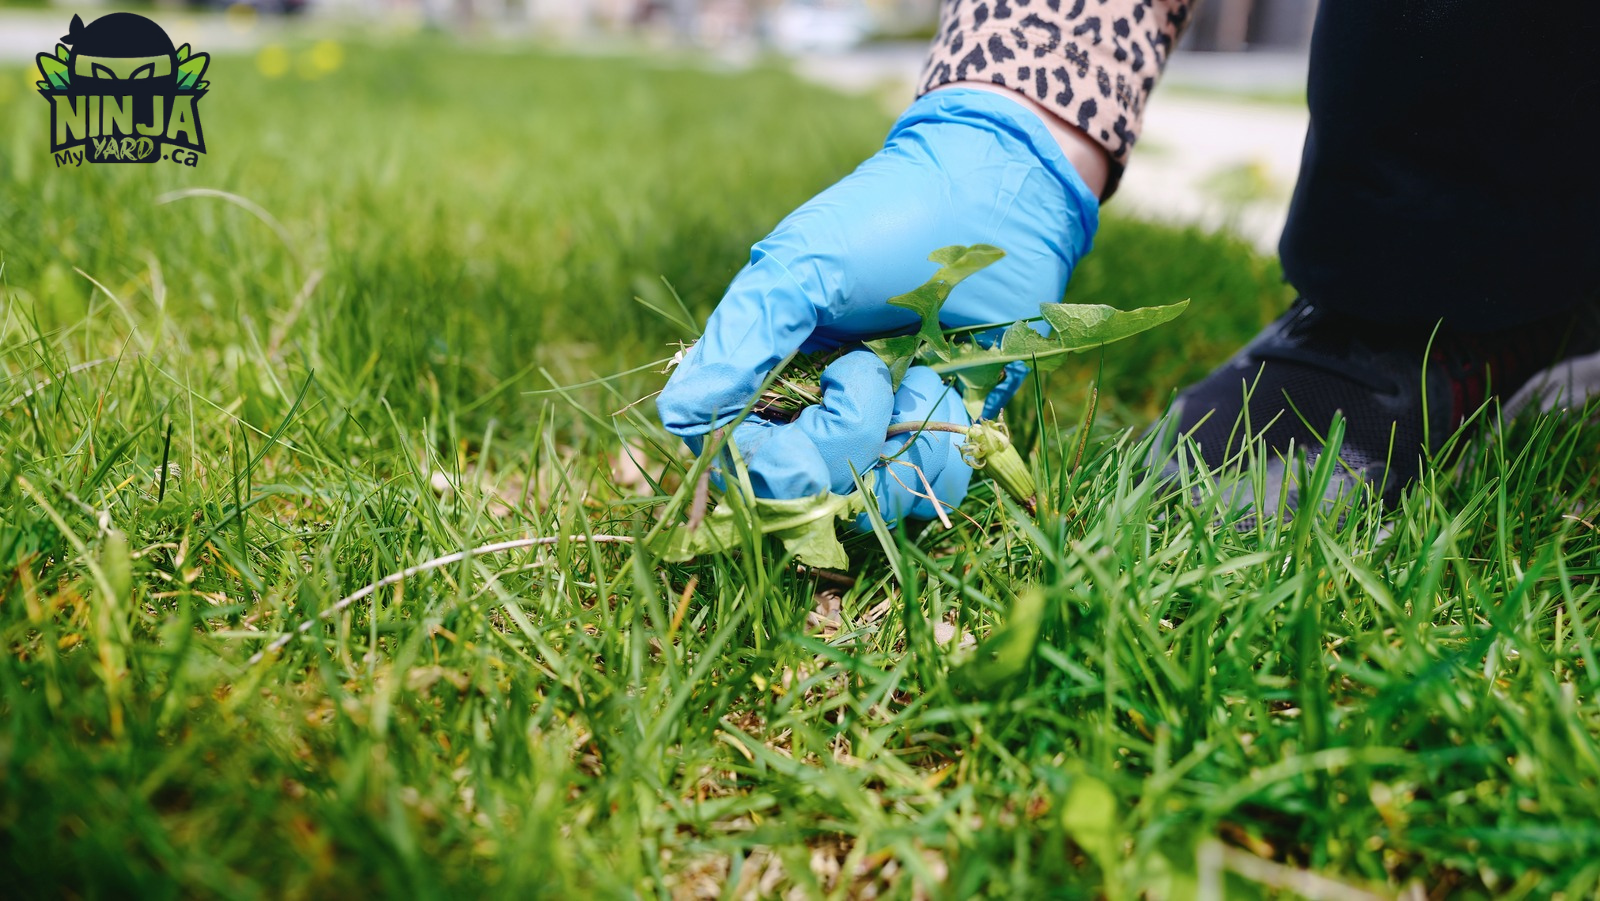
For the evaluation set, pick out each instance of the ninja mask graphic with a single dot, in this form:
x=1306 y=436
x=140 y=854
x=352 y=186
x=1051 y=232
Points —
x=120 y=47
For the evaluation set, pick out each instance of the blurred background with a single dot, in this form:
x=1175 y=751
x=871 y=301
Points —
x=1222 y=138
x=444 y=207
x=1224 y=25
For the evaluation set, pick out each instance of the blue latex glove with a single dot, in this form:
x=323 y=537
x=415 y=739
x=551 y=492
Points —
x=922 y=398
x=828 y=444
x=824 y=446
x=959 y=167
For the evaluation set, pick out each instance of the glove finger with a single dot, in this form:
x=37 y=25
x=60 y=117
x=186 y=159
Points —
x=764 y=317
x=923 y=398
x=847 y=428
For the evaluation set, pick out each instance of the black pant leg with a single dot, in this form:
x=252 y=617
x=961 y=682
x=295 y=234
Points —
x=1452 y=166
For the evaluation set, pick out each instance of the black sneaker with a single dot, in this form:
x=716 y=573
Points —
x=1403 y=392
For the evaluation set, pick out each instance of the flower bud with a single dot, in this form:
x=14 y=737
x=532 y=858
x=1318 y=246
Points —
x=988 y=449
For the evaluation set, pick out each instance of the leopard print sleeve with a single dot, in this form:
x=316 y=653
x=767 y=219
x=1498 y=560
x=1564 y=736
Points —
x=1093 y=62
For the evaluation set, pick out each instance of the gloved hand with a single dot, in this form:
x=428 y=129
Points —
x=829 y=443
x=960 y=166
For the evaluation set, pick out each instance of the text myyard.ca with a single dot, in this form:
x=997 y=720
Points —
x=106 y=123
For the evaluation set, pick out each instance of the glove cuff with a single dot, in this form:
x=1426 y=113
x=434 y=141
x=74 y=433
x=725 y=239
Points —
x=1011 y=122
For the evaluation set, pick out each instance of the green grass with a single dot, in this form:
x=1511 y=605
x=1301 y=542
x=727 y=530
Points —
x=1214 y=705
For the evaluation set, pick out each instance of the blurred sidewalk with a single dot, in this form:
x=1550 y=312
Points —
x=1214 y=152
x=1217 y=163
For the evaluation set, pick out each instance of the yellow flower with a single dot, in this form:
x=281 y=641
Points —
x=327 y=55
x=273 y=61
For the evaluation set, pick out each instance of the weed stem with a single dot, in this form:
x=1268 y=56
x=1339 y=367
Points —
x=903 y=428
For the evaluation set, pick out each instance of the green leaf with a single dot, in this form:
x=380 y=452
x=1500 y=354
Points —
x=117 y=565
x=898 y=353
x=55 y=71
x=1090 y=817
x=63 y=54
x=970 y=356
x=805 y=525
x=980 y=371
x=778 y=515
x=955 y=264
x=999 y=659
x=1078 y=327
x=183 y=53
x=1082 y=326
x=190 y=70
x=1021 y=340
x=815 y=544
x=717 y=533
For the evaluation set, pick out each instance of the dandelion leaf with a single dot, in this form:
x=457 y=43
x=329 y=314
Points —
x=815 y=544
x=898 y=353
x=956 y=262
x=1083 y=326
x=717 y=533
x=979 y=372
x=805 y=526
x=1020 y=340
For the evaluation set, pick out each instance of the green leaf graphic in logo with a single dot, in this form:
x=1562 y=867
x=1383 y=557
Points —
x=190 y=70
x=55 y=72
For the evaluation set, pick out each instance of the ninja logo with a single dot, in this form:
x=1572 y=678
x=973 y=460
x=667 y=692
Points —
x=120 y=93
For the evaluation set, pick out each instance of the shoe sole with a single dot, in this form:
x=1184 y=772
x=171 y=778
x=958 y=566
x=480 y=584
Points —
x=1563 y=386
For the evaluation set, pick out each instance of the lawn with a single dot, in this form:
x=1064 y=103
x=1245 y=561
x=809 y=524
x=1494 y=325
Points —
x=346 y=365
